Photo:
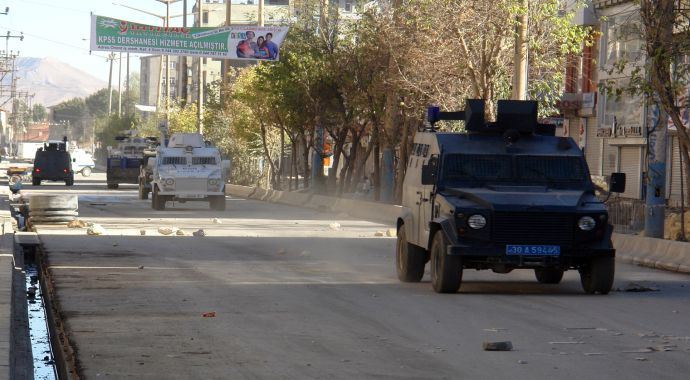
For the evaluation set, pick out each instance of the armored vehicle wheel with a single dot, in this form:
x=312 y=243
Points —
x=143 y=192
x=157 y=201
x=69 y=181
x=597 y=276
x=409 y=259
x=86 y=171
x=446 y=271
x=217 y=202
x=36 y=182
x=113 y=185
x=548 y=275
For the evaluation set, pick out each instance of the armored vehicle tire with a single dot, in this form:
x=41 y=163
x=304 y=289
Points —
x=157 y=201
x=217 y=202
x=548 y=275
x=86 y=171
x=446 y=271
x=143 y=193
x=69 y=181
x=597 y=276
x=409 y=259
x=36 y=182
x=113 y=185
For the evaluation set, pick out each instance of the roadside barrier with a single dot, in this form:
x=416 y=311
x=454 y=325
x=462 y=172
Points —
x=53 y=209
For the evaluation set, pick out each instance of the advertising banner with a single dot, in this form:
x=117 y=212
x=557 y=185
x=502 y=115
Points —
x=227 y=42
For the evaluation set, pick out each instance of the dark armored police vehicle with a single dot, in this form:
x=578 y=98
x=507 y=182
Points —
x=503 y=195
x=125 y=160
x=52 y=163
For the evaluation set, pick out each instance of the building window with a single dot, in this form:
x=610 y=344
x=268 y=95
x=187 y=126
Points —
x=205 y=18
x=173 y=65
x=622 y=38
x=623 y=114
x=348 y=6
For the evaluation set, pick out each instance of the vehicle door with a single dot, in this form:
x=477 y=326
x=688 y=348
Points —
x=425 y=193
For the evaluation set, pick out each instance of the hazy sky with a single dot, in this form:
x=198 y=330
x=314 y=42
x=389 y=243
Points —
x=61 y=28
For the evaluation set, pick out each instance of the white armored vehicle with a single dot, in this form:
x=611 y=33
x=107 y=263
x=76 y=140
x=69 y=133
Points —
x=187 y=169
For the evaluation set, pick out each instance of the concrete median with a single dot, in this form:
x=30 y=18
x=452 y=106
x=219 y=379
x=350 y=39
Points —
x=239 y=191
x=654 y=253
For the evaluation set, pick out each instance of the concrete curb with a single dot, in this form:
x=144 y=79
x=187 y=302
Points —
x=6 y=287
x=654 y=253
x=380 y=212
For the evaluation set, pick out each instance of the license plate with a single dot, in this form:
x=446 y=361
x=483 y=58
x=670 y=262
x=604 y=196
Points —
x=533 y=250
x=192 y=196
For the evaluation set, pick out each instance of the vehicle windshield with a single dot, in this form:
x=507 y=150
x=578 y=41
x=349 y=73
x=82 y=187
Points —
x=482 y=169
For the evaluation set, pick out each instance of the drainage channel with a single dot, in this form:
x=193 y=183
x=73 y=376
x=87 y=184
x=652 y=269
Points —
x=39 y=361
x=41 y=348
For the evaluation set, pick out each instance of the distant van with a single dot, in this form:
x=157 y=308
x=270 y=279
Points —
x=82 y=162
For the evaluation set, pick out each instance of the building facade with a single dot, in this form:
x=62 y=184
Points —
x=610 y=129
x=151 y=77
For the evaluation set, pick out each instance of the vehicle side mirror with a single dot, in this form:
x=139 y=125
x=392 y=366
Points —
x=617 y=183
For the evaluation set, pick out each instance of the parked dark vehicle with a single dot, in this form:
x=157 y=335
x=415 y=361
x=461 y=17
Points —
x=52 y=163
x=502 y=196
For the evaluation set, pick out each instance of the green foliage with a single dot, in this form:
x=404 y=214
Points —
x=38 y=113
x=107 y=128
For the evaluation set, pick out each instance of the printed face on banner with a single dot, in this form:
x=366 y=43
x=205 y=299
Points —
x=227 y=42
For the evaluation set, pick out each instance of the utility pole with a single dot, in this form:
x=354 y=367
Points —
x=119 y=86
x=225 y=66
x=111 y=57
x=655 y=198
x=200 y=80
x=127 y=86
x=520 y=60
x=182 y=62
x=661 y=15
x=261 y=12
x=167 y=64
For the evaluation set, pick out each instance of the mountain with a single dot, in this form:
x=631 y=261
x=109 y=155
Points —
x=54 y=81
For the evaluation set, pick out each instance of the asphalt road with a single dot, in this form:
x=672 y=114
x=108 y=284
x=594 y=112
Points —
x=295 y=298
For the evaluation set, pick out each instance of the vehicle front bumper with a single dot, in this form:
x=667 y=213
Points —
x=120 y=175
x=487 y=255
x=189 y=195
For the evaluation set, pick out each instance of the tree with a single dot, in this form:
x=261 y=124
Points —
x=38 y=113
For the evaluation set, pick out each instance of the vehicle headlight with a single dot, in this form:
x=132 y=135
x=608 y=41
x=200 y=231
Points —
x=476 y=221
x=214 y=184
x=586 y=223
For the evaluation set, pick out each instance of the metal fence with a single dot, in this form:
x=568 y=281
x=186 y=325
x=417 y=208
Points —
x=626 y=215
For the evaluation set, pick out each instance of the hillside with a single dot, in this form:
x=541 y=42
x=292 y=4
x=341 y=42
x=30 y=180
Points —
x=54 y=81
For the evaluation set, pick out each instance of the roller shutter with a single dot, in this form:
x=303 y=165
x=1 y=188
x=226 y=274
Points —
x=673 y=170
x=610 y=158
x=593 y=147
x=630 y=165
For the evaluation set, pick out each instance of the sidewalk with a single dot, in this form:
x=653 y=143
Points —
x=6 y=273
